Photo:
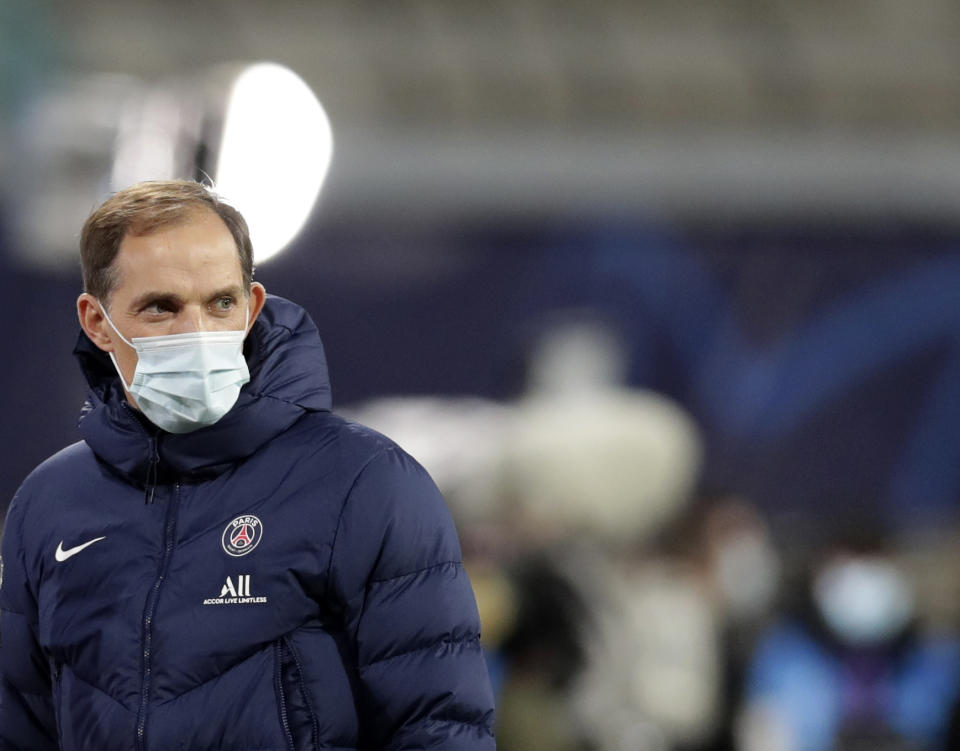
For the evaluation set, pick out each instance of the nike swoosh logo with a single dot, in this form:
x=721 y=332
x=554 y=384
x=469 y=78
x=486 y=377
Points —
x=61 y=555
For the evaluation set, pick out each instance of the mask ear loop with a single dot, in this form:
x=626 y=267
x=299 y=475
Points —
x=113 y=358
x=246 y=315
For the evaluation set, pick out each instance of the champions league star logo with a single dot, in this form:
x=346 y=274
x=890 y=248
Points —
x=242 y=535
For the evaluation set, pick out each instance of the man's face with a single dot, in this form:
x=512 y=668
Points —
x=177 y=280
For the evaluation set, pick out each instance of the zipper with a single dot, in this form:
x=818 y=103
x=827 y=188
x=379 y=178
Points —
x=149 y=611
x=150 y=486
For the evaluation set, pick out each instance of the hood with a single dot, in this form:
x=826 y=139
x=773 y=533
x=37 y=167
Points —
x=288 y=378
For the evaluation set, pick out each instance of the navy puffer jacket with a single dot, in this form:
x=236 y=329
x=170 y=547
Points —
x=281 y=580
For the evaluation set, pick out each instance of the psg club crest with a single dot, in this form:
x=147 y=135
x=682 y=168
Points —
x=242 y=535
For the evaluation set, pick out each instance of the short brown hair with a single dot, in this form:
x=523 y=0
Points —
x=144 y=208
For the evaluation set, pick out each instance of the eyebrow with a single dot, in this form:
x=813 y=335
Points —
x=151 y=298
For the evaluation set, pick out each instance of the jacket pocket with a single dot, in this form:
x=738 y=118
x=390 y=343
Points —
x=293 y=700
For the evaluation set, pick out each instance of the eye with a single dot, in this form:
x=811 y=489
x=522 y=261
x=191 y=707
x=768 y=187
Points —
x=224 y=304
x=158 y=308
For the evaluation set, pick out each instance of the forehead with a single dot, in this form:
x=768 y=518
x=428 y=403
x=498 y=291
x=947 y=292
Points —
x=195 y=254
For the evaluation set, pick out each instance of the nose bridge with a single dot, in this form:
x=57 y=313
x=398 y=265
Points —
x=193 y=319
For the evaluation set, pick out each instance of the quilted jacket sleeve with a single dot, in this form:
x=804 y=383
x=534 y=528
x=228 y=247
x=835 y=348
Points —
x=411 y=612
x=26 y=707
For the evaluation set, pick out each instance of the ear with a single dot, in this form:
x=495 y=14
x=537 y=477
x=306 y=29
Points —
x=93 y=322
x=258 y=296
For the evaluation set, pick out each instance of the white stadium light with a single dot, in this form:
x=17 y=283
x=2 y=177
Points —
x=256 y=130
x=274 y=154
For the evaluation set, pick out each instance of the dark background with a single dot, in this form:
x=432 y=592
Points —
x=822 y=365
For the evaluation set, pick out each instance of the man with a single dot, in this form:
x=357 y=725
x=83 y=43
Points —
x=221 y=562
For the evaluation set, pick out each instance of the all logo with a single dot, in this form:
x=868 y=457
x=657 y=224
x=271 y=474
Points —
x=242 y=535
x=241 y=590
x=236 y=591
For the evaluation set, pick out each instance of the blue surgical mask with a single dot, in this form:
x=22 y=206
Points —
x=184 y=382
x=864 y=601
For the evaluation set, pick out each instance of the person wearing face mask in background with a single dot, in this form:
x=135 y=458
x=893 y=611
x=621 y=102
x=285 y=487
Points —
x=221 y=561
x=853 y=668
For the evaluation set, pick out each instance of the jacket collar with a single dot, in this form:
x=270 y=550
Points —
x=288 y=378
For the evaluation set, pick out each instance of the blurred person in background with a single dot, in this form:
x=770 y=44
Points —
x=726 y=548
x=222 y=562
x=851 y=666
x=614 y=642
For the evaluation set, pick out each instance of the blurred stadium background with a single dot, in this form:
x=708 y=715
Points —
x=740 y=218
